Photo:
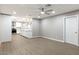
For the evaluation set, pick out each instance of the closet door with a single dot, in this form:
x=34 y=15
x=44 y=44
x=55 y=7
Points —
x=71 y=30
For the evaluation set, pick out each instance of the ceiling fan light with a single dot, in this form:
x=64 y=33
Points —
x=42 y=12
x=53 y=12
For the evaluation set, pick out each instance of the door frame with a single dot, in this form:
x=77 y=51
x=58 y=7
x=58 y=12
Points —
x=64 y=29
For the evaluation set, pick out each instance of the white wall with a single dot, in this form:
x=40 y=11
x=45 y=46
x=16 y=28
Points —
x=5 y=28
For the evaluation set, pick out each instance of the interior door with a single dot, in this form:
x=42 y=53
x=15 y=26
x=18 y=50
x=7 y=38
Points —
x=71 y=30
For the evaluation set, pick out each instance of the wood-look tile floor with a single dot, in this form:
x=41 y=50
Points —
x=38 y=46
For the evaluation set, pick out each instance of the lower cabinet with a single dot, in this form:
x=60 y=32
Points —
x=26 y=33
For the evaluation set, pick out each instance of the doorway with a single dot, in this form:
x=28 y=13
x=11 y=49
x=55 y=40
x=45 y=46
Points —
x=71 y=29
x=13 y=27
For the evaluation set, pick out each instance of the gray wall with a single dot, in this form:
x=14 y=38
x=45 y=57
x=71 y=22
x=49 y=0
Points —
x=5 y=28
x=35 y=28
x=53 y=27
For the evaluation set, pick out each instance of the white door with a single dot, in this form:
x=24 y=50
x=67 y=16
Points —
x=71 y=30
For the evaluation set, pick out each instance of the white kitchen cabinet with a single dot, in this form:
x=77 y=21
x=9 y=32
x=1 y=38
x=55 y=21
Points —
x=26 y=33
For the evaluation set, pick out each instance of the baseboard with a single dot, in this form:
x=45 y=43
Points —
x=25 y=36
x=73 y=44
x=53 y=39
x=48 y=38
x=36 y=36
x=6 y=41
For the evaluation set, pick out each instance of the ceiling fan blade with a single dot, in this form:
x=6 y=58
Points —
x=42 y=9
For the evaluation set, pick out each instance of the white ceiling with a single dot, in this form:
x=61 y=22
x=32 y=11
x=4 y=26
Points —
x=23 y=10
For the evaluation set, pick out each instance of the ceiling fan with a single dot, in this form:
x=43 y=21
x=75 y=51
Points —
x=46 y=9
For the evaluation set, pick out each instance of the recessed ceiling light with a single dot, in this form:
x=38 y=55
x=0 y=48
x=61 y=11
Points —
x=42 y=12
x=53 y=12
x=14 y=12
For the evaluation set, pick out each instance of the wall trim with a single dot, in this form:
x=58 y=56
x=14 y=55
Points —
x=53 y=39
x=48 y=38
x=36 y=36
x=5 y=41
x=59 y=40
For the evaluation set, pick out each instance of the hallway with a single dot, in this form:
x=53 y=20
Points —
x=38 y=46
